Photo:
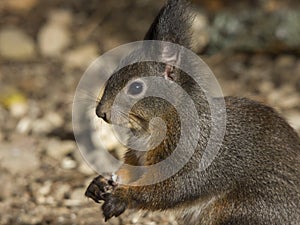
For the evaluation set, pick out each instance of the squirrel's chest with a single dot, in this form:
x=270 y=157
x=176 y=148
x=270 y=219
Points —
x=197 y=212
x=141 y=157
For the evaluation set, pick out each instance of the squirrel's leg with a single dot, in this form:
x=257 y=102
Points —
x=149 y=197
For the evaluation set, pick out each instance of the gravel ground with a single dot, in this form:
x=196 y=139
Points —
x=45 y=46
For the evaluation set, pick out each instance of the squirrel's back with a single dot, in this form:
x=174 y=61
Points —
x=255 y=178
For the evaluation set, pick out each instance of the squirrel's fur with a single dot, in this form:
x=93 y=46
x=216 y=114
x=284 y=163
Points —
x=254 y=179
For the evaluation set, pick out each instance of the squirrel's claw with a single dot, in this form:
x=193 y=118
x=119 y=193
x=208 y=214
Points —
x=98 y=189
x=113 y=206
x=101 y=189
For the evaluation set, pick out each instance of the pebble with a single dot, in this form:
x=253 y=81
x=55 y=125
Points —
x=59 y=149
x=53 y=39
x=85 y=169
x=1 y=136
x=20 y=5
x=16 y=45
x=291 y=101
x=41 y=126
x=7 y=186
x=61 y=17
x=77 y=197
x=81 y=57
x=19 y=158
x=55 y=36
x=54 y=118
x=68 y=163
x=285 y=61
x=18 y=109
x=294 y=119
x=24 y=125
x=60 y=191
x=46 y=188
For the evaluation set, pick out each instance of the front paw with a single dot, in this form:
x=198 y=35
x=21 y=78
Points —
x=99 y=188
x=113 y=206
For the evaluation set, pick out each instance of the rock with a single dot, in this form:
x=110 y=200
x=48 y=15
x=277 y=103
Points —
x=41 y=126
x=46 y=188
x=294 y=119
x=8 y=186
x=14 y=100
x=77 y=197
x=85 y=169
x=61 y=17
x=24 y=125
x=61 y=191
x=291 y=101
x=1 y=136
x=54 y=118
x=285 y=62
x=19 y=158
x=20 y=5
x=19 y=109
x=53 y=39
x=68 y=163
x=81 y=57
x=16 y=45
x=60 y=149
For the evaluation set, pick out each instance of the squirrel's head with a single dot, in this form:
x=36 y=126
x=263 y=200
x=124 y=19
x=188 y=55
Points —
x=138 y=87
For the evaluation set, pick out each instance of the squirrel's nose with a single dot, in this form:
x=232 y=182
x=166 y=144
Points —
x=101 y=113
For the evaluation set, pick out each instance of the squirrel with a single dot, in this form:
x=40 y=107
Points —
x=253 y=180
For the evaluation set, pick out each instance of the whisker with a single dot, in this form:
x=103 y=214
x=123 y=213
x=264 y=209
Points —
x=87 y=93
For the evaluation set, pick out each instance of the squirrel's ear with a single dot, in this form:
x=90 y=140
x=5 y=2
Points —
x=172 y=24
x=171 y=57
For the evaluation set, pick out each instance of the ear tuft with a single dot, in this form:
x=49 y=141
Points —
x=173 y=24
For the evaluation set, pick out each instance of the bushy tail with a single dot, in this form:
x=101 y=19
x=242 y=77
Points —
x=173 y=23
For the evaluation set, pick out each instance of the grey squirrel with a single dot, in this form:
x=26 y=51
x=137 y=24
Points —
x=254 y=179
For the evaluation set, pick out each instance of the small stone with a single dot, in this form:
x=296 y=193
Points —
x=54 y=118
x=16 y=45
x=294 y=119
x=68 y=163
x=46 y=188
x=15 y=101
x=24 y=125
x=19 y=109
x=61 y=17
x=285 y=61
x=60 y=149
x=41 y=126
x=19 y=158
x=81 y=57
x=7 y=185
x=85 y=169
x=53 y=39
x=265 y=87
x=1 y=136
x=291 y=101
x=77 y=198
x=20 y=5
x=60 y=191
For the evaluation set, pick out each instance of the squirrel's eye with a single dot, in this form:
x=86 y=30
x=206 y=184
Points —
x=135 y=88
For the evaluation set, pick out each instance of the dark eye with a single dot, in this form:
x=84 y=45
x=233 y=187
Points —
x=135 y=88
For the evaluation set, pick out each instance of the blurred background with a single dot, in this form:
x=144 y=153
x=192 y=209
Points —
x=253 y=47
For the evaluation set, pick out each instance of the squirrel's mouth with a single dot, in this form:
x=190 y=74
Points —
x=136 y=122
x=131 y=121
